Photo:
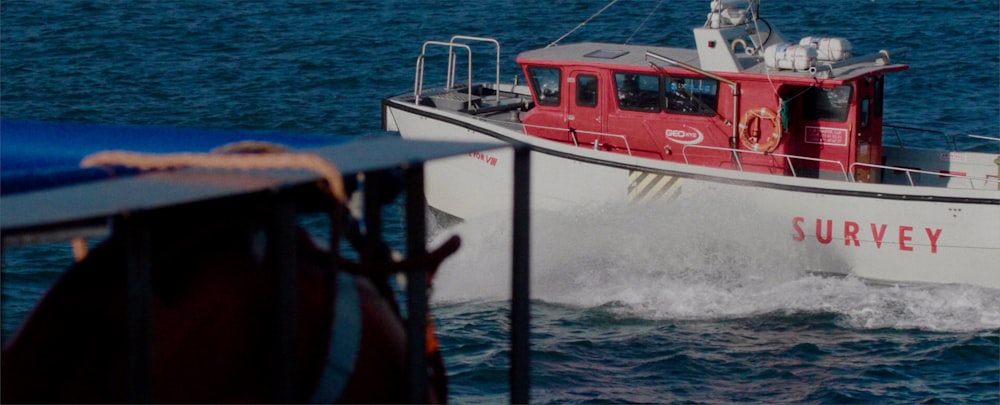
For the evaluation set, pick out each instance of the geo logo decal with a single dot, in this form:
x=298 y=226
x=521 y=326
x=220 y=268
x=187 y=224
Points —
x=686 y=136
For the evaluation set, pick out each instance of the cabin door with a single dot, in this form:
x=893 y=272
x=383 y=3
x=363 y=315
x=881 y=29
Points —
x=869 y=129
x=586 y=106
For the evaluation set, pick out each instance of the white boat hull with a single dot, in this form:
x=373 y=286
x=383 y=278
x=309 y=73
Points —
x=881 y=232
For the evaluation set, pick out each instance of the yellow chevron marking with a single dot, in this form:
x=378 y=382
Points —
x=645 y=187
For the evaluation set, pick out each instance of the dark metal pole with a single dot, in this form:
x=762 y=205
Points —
x=281 y=245
x=135 y=233
x=371 y=251
x=416 y=285
x=520 y=311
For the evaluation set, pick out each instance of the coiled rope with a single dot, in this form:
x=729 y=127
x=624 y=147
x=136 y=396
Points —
x=245 y=156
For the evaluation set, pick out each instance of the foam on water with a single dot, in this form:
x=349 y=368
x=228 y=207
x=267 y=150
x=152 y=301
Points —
x=686 y=261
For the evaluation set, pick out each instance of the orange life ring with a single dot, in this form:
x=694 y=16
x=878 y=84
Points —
x=750 y=129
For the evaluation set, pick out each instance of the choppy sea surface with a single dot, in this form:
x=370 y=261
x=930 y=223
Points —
x=626 y=306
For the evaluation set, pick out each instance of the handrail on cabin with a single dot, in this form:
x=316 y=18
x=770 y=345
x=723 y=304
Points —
x=732 y=85
x=650 y=54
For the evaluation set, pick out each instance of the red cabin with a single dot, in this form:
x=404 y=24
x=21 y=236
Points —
x=786 y=112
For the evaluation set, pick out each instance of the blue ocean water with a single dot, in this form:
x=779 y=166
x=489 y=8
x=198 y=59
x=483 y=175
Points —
x=624 y=310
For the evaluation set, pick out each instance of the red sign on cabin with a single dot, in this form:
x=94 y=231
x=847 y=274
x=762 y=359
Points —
x=826 y=136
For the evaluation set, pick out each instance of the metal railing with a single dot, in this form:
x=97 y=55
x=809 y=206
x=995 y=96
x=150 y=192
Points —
x=788 y=158
x=570 y=131
x=950 y=139
x=848 y=172
x=418 y=79
x=576 y=141
x=451 y=62
x=909 y=174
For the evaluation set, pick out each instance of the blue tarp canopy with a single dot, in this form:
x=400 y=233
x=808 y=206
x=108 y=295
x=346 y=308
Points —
x=36 y=155
x=44 y=188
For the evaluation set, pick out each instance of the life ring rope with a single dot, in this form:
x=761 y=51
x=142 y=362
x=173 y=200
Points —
x=750 y=129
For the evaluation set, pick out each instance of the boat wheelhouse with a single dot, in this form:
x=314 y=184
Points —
x=794 y=128
x=658 y=103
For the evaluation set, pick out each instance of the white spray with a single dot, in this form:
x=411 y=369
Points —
x=696 y=258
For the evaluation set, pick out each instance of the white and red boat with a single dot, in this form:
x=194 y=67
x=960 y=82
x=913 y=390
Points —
x=791 y=129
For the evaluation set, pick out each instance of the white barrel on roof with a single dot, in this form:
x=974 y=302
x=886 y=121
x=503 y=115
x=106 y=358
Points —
x=790 y=56
x=829 y=49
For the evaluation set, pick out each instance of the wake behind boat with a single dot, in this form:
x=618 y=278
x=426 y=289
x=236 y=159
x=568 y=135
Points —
x=792 y=129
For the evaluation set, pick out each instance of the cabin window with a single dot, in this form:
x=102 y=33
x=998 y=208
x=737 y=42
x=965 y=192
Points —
x=688 y=95
x=865 y=111
x=586 y=90
x=545 y=81
x=827 y=104
x=638 y=92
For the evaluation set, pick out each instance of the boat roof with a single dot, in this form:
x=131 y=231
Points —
x=621 y=56
x=592 y=53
